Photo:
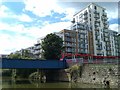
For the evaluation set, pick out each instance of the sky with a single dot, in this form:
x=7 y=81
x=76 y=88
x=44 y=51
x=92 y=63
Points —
x=22 y=22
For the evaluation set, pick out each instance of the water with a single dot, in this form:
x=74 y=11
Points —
x=8 y=83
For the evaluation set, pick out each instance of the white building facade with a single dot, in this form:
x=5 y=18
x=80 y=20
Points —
x=96 y=18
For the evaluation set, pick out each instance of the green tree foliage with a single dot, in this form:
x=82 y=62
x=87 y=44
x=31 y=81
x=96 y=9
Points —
x=15 y=55
x=52 y=46
x=25 y=54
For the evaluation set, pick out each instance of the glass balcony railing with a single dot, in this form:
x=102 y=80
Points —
x=85 y=17
x=95 y=12
x=85 y=13
x=104 y=14
x=97 y=16
x=99 y=48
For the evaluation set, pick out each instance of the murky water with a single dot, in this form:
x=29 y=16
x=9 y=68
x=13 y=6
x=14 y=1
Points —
x=8 y=83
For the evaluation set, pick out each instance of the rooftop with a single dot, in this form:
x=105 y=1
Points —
x=87 y=7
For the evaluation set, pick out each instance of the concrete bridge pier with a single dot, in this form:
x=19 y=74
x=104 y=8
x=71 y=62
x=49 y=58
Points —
x=41 y=76
x=14 y=75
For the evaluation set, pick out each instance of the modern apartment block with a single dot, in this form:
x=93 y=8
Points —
x=113 y=46
x=37 y=48
x=81 y=37
x=119 y=45
x=69 y=40
x=98 y=37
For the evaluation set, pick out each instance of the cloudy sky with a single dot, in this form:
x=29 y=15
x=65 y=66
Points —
x=22 y=22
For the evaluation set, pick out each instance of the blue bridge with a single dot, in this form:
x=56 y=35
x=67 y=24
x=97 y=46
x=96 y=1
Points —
x=32 y=63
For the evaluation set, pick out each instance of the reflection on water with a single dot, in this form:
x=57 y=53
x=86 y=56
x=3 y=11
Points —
x=8 y=83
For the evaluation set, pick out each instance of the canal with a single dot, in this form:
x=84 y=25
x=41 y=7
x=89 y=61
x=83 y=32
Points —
x=7 y=82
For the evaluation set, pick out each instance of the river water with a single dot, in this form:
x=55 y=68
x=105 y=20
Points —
x=8 y=83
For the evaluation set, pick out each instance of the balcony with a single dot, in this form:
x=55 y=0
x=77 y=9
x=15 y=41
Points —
x=85 y=17
x=99 y=54
x=108 y=45
x=97 y=16
x=83 y=46
x=104 y=18
x=97 y=28
x=97 y=38
x=82 y=32
x=97 y=34
x=99 y=48
x=96 y=13
x=37 y=52
x=106 y=35
x=37 y=47
x=105 y=31
x=73 y=28
x=69 y=45
x=96 y=25
x=104 y=14
x=83 y=51
x=105 y=23
x=73 y=21
x=85 y=13
x=108 y=48
x=67 y=34
x=106 y=39
x=68 y=40
x=81 y=27
x=38 y=44
x=105 y=26
x=98 y=43
x=97 y=21
x=69 y=50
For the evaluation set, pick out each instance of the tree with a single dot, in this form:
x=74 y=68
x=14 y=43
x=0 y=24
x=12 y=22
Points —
x=52 y=46
x=15 y=55
x=25 y=54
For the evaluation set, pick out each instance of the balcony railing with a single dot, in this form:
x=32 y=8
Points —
x=107 y=48
x=98 y=43
x=104 y=18
x=97 y=21
x=95 y=12
x=99 y=48
x=85 y=13
x=96 y=25
x=104 y=14
x=85 y=17
x=97 y=16
x=81 y=27
x=68 y=44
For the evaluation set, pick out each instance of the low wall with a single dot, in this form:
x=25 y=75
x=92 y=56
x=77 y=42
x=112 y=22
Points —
x=92 y=73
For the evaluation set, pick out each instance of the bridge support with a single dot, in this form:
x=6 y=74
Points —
x=14 y=75
x=41 y=76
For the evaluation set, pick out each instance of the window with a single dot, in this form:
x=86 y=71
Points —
x=95 y=7
x=90 y=15
x=90 y=19
x=80 y=16
x=89 y=11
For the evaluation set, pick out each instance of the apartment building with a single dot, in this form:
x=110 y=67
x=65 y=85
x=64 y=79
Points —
x=3 y=56
x=37 y=48
x=119 y=45
x=96 y=18
x=69 y=41
x=81 y=37
x=113 y=46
